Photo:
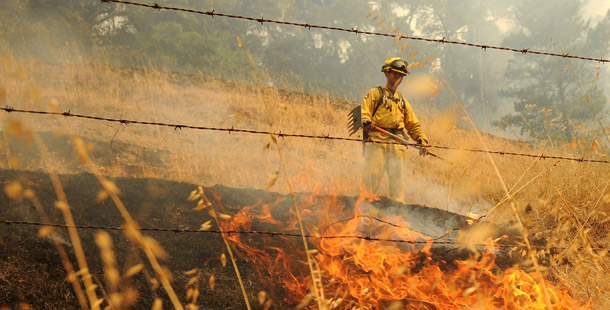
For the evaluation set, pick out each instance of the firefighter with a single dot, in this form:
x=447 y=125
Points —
x=385 y=107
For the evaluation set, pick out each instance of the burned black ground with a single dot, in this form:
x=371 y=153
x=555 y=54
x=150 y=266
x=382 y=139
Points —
x=32 y=272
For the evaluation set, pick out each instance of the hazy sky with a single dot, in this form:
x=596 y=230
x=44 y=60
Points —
x=597 y=8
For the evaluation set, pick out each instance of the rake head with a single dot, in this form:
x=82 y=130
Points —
x=354 y=120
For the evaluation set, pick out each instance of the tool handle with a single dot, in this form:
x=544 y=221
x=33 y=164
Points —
x=405 y=142
x=396 y=137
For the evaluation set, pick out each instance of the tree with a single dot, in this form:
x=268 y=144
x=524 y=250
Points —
x=473 y=74
x=555 y=99
x=47 y=29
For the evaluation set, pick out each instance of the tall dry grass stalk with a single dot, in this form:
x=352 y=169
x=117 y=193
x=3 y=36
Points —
x=317 y=285
x=204 y=203
x=62 y=204
x=148 y=245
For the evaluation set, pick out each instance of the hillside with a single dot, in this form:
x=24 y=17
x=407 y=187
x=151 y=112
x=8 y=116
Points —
x=562 y=205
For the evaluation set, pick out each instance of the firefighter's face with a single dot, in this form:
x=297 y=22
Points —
x=394 y=78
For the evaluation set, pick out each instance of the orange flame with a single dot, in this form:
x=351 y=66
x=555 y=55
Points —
x=472 y=217
x=360 y=273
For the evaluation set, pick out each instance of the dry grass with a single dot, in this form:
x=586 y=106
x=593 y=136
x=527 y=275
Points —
x=563 y=202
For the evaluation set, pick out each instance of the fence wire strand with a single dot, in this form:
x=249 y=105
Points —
x=278 y=234
x=281 y=134
x=354 y=30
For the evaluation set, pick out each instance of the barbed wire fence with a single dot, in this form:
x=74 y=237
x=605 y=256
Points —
x=281 y=134
x=354 y=30
x=278 y=134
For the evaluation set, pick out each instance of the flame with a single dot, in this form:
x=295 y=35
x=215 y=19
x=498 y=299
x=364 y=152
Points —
x=101 y=168
x=369 y=269
x=104 y=169
x=472 y=217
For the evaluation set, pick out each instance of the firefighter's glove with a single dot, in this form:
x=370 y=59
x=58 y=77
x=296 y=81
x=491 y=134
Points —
x=368 y=126
x=423 y=146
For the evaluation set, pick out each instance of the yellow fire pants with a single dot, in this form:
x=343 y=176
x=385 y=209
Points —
x=385 y=158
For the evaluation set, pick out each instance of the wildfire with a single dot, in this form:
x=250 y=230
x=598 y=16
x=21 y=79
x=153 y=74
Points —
x=368 y=269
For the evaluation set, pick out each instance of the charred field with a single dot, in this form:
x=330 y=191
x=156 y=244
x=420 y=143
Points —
x=32 y=270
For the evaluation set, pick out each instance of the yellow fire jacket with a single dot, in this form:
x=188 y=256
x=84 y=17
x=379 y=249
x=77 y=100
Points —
x=390 y=114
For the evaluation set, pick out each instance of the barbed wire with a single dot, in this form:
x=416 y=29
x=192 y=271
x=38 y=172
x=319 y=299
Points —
x=229 y=232
x=274 y=234
x=356 y=31
x=281 y=134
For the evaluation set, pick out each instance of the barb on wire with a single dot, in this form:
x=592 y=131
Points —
x=309 y=26
x=282 y=134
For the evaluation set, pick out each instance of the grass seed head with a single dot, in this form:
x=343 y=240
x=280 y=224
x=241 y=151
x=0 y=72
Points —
x=195 y=194
x=262 y=297
x=223 y=259
x=81 y=150
x=45 y=231
x=212 y=281
x=14 y=190
x=101 y=196
x=133 y=270
x=61 y=205
x=206 y=226
x=155 y=247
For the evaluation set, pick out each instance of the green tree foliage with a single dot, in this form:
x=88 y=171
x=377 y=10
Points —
x=555 y=99
x=116 y=34
x=191 y=42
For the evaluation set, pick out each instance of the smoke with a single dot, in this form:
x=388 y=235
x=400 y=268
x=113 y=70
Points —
x=45 y=34
x=425 y=192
